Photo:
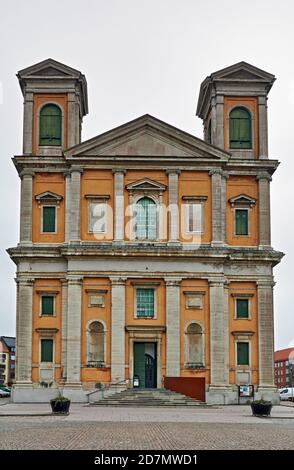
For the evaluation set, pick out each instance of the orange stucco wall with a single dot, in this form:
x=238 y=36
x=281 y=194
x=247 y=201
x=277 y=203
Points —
x=53 y=182
x=250 y=325
x=54 y=322
x=39 y=100
x=251 y=104
x=237 y=185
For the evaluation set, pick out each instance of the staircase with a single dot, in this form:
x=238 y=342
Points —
x=133 y=397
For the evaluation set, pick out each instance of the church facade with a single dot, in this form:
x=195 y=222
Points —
x=145 y=253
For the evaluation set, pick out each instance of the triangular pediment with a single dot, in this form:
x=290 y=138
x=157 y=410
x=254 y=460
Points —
x=47 y=197
x=49 y=67
x=243 y=71
x=147 y=137
x=146 y=184
x=242 y=200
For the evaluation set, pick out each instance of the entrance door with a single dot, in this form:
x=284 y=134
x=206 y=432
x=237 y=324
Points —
x=145 y=364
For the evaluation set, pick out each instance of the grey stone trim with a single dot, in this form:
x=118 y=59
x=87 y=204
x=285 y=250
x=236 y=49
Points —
x=117 y=329
x=118 y=205
x=265 y=333
x=264 y=209
x=218 y=194
x=75 y=203
x=219 y=110
x=26 y=206
x=263 y=127
x=24 y=331
x=64 y=312
x=67 y=208
x=173 y=352
x=173 y=195
x=74 y=305
x=28 y=123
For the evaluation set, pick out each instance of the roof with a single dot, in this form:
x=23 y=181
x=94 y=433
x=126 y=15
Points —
x=283 y=354
x=9 y=341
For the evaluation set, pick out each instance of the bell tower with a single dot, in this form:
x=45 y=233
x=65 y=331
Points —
x=55 y=102
x=233 y=106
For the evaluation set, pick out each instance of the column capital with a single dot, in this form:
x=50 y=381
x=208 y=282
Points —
x=173 y=171
x=76 y=169
x=67 y=173
x=25 y=281
x=74 y=280
x=119 y=170
x=117 y=280
x=173 y=281
x=27 y=172
x=265 y=284
x=216 y=171
x=263 y=176
x=217 y=282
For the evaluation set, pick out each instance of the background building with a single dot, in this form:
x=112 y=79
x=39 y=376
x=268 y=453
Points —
x=145 y=251
x=284 y=368
x=7 y=360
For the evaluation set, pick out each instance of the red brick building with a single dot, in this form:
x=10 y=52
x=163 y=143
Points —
x=284 y=368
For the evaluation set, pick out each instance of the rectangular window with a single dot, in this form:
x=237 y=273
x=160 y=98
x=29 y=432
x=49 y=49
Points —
x=49 y=219
x=241 y=222
x=242 y=354
x=47 y=305
x=145 y=303
x=46 y=350
x=97 y=217
x=194 y=218
x=242 y=308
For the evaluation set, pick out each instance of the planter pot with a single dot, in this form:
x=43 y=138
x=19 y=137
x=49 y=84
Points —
x=60 y=407
x=261 y=409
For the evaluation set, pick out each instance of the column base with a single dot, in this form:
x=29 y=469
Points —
x=269 y=393
x=221 y=395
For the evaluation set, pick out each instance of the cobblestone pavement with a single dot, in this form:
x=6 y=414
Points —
x=230 y=427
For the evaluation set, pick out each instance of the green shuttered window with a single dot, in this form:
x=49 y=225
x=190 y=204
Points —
x=46 y=350
x=49 y=213
x=242 y=354
x=240 y=129
x=50 y=125
x=47 y=302
x=242 y=307
x=241 y=222
x=145 y=302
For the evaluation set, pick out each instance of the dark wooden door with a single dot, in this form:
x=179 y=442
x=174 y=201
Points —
x=149 y=371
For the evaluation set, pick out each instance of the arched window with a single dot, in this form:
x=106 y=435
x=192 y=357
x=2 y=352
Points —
x=194 y=347
x=95 y=356
x=50 y=125
x=240 y=129
x=145 y=219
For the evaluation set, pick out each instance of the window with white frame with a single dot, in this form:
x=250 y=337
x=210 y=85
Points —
x=96 y=344
x=194 y=346
x=145 y=219
x=145 y=302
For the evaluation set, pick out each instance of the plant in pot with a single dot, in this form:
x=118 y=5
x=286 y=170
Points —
x=60 y=404
x=261 y=408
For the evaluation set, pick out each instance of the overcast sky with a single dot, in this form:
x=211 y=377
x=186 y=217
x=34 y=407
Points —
x=150 y=57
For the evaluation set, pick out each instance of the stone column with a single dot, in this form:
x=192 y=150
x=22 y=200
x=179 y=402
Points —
x=28 y=124
x=264 y=210
x=75 y=203
x=118 y=204
x=67 y=207
x=117 y=329
x=265 y=333
x=74 y=310
x=173 y=350
x=263 y=131
x=173 y=195
x=24 y=332
x=219 y=351
x=26 y=207
x=217 y=205
x=64 y=300
x=219 y=142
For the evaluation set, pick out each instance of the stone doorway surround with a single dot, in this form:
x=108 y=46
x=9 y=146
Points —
x=146 y=334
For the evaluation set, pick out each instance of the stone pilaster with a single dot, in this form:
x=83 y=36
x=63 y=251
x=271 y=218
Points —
x=219 y=111
x=24 y=332
x=26 y=207
x=217 y=193
x=74 y=309
x=173 y=351
x=67 y=229
x=28 y=124
x=219 y=333
x=173 y=195
x=263 y=128
x=73 y=134
x=264 y=210
x=117 y=329
x=224 y=207
x=64 y=311
x=75 y=203
x=118 y=204
x=265 y=333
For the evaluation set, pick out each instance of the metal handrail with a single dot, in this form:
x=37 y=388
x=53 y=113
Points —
x=107 y=387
